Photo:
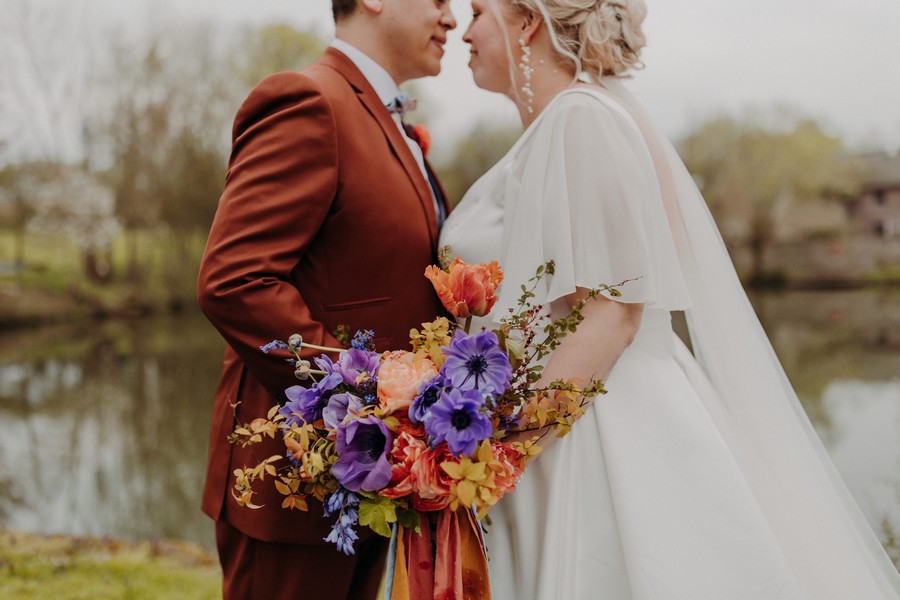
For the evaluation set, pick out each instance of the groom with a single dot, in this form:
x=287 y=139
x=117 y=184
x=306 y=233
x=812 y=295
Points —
x=329 y=217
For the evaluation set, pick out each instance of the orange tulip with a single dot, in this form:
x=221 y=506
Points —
x=466 y=290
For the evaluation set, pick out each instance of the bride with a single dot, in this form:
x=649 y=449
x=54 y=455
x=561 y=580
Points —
x=698 y=476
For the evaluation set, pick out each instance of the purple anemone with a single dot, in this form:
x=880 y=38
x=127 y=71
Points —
x=337 y=408
x=476 y=362
x=428 y=394
x=306 y=404
x=363 y=446
x=353 y=362
x=457 y=419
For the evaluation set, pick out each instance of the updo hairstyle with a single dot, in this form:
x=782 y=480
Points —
x=601 y=37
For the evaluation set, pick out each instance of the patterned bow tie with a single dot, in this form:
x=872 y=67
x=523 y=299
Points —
x=401 y=104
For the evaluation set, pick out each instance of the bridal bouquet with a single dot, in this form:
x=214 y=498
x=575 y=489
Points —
x=385 y=438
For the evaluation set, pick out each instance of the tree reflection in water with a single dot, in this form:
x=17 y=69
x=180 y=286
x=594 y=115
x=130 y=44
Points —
x=104 y=431
x=107 y=435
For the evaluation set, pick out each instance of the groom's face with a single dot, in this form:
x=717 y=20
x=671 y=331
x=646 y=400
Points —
x=414 y=35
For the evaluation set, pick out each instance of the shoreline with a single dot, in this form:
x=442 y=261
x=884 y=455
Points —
x=26 y=307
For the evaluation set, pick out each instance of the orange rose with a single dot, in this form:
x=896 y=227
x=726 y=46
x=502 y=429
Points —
x=399 y=377
x=466 y=290
x=407 y=449
x=431 y=484
x=507 y=466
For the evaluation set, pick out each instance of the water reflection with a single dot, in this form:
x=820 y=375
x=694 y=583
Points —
x=104 y=431
x=107 y=434
x=864 y=442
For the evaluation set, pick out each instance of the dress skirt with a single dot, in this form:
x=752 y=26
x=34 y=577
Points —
x=641 y=501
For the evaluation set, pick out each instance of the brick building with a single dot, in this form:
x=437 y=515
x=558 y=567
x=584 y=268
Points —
x=876 y=211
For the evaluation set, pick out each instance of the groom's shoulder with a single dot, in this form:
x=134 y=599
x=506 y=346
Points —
x=313 y=91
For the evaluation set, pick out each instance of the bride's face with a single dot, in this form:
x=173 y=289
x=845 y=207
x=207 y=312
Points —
x=492 y=43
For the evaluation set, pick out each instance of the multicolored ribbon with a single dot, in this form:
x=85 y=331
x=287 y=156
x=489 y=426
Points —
x=445 y=561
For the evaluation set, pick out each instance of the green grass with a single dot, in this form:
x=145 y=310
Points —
x=56 y=567
x=885 y=275
x=52 y=285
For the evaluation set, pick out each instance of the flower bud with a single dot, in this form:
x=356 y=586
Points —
x=295 y=342
x=301 y=370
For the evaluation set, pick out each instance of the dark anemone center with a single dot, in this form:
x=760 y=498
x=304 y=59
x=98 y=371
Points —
x=460 y=419
x=429 y=397
x=476 y=365
x=375 y=445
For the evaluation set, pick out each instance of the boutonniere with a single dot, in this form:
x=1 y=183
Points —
x=422 y=137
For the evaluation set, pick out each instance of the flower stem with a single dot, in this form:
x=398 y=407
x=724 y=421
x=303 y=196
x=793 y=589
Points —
x=322 y=348
x=467 y=324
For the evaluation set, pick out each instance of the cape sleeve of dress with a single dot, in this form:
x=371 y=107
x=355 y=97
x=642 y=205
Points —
x=582 y=192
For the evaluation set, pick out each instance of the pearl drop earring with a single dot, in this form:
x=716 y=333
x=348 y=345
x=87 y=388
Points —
x=527 y=71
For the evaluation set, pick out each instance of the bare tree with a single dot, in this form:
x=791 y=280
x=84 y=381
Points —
x=46 y=79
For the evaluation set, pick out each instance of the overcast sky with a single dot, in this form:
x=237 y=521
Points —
x=831 y=59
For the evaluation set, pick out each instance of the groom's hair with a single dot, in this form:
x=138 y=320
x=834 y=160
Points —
x=342 y=8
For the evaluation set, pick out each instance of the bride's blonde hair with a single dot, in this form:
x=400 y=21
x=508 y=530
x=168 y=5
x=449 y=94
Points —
x=600 y=37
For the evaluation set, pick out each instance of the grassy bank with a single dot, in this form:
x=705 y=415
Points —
x=64 y=568
x=51 y=285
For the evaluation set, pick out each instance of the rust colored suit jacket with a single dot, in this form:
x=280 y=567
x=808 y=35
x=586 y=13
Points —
x=325 y=220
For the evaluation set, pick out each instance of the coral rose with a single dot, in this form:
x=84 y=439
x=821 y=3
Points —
x=407 y=449
x=431 y=483
x=466 y=290
x=399 y=378
x=508 y=465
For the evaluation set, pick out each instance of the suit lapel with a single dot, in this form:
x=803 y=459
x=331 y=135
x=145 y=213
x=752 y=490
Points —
x=370 y=100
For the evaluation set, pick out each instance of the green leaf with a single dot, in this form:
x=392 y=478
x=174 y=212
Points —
x=408 y=519
x=377 y=514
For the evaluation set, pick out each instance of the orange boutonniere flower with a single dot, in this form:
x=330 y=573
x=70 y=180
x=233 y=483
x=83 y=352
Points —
x=422 y=137
x=466 y=290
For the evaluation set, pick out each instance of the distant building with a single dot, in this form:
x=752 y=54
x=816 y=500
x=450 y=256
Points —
x=876 y=211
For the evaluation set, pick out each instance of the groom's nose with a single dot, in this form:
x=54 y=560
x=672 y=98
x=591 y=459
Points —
x=448 y=21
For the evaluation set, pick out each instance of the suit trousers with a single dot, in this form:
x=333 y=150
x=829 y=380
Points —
x=256 y=570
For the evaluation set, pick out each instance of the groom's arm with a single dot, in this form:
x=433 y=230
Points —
x=281 y=181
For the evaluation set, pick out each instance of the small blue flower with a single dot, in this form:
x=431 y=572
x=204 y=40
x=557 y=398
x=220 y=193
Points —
x=273 y=345
x=363 y=340
x=339 y=500
x=343 y=535
x=343 y=532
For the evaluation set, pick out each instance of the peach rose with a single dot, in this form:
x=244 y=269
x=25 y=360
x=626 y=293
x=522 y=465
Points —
x=466 y=290
x=399 y=377
x=431 y=484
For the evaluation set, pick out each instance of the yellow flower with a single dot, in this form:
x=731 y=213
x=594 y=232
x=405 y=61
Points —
x=428 y=341
x=468 y=475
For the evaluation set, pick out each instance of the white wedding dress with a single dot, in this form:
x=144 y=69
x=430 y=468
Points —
x=692 y=479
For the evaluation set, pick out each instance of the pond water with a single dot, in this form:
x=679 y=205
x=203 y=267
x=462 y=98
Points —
x=103 y=430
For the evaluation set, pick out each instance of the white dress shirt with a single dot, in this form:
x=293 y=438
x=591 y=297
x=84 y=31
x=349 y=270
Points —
x=387 y=91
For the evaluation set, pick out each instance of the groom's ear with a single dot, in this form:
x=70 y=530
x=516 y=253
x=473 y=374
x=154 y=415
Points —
x=373 y=6
x=531 y=24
